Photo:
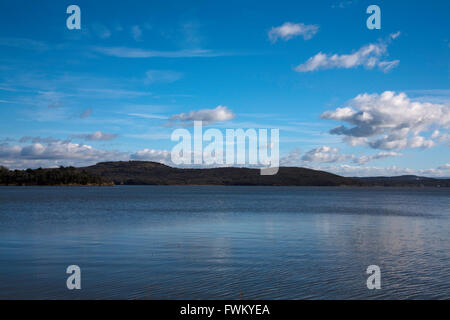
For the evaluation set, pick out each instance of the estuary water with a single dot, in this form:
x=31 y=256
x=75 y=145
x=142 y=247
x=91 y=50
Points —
x=213 y=242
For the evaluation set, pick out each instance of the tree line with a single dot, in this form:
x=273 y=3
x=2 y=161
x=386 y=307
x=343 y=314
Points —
x=49 y=177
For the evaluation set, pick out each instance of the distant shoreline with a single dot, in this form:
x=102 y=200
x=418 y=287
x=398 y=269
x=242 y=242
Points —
x=219 y=185
x=152 y=173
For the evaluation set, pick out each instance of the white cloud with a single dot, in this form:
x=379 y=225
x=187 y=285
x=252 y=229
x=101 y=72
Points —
x=290 y=30
x=161 y=156
x=368 y=56
x=293 y=158
x=55 y=154
x=8 y=151
x=208 y=116
x=327 y=159
x=165 y=157
x=65 y=153
x=441 y=137
x=389 y=121
x=380 y=155
x=96 y=136
x=325 y=154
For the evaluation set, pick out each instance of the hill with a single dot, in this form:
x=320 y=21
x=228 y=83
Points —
x=152 y=173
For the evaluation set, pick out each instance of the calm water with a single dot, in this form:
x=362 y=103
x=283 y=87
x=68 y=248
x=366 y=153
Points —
x=158 y=242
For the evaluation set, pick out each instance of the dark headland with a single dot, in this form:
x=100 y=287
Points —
x=152 y=173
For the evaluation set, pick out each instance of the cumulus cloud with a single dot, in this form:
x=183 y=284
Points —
x=441 y=137
x=207 y=116
x=327 y=154
x=8 y=151
x=389 y=121
x=369 y=56
x=332 y=160
x=290 y=30
x=55 y=154
x=96 y=136
x=293 y=158
x=324 y=154
x=161 y=156
x=165 y=157
x=66 y=153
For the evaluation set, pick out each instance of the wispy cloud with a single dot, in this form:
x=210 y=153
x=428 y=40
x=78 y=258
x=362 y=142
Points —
x=147 y=116
x=290 y=30
x=431 y=95
x=101 y=31
x=38 y=139
x=207 y=116
x=343 y=4
x=11 y=102
x=368 y=56
x=125 y=52
x=167 y=76
x=378 y=156
x=23 y=43
x=114 y=93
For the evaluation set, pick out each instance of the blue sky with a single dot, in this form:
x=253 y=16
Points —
x=346 y=99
